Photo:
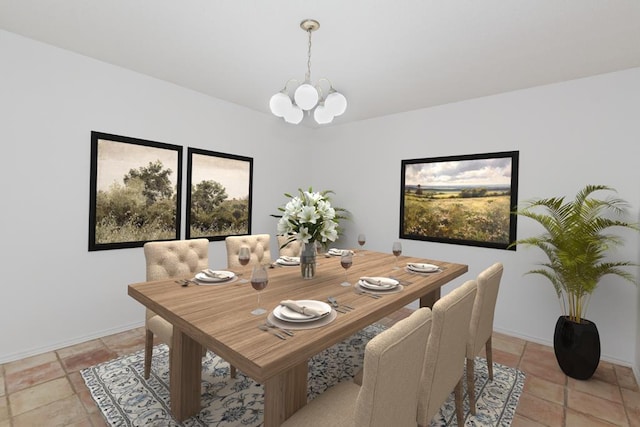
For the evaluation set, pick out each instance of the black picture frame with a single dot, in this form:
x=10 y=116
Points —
x=210 y=213
x=464 y=200
x=135 y=191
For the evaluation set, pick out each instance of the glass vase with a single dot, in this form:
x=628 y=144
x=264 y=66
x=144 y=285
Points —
x=308 y=260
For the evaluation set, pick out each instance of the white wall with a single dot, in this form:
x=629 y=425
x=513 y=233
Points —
x=57 y=293
x=571 y=134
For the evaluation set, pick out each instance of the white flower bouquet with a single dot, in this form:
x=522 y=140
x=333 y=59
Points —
x=309 y=217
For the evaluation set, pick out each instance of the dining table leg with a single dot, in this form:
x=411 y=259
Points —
x=185 y=372
x=429 y=299
x=284 y=394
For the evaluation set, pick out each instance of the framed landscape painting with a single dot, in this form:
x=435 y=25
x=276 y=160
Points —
x=466 y=200
x=219 y=188
x=135 y=191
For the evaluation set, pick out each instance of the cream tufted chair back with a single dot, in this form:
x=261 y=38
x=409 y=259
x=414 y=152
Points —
x=292 y=249
x=258 y=245
x=176 y=258
x=445 y=354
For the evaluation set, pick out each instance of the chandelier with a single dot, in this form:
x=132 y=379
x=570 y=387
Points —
x=308 y=96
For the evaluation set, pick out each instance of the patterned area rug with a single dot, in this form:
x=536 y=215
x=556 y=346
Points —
x=127 y=399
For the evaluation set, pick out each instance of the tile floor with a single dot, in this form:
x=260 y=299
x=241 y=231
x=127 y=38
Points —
x=47 y=390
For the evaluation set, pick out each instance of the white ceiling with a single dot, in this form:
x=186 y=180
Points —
x=386 y=56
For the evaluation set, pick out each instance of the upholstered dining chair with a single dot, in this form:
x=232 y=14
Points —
x=481 y=326
x=388 y=395
x=445 y=353
x=290 y=249
x=259 y=247
x=168 y=259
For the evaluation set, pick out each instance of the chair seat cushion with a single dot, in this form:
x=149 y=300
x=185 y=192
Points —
x=333 y=408
x=161 y=328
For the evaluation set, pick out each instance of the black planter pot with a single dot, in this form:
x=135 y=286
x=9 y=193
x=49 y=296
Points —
x=577 y=347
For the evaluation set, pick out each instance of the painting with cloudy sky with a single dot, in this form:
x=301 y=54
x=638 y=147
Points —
x=464 y=199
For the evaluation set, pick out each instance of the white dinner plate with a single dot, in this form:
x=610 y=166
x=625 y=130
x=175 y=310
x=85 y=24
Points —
x=422 y=268
x=222 y=276
x=385 y=284
x=288 y=315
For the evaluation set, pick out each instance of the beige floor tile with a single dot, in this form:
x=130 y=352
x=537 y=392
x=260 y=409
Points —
x=82 y=348
x=77 y=382
x=29 y=362
x=543 y=365
x=60 y=413
x=97 y=420
x=544 y=412
x=626 y=378
x=597 y=388
x=597 y=407
x=582 y=420
x=4 y=409
x=507 y=344
x=2 y=389
x=5 y=423
x=505 y=358
x=82 y=423
x=631 y=401
x=520 y=421
x=33 y=375
x=125 y=342
x=39 y=395
x=78 y=361
x=544 y=389
x=605 y=372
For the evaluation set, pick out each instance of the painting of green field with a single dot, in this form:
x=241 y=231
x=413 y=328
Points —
x=454 y=215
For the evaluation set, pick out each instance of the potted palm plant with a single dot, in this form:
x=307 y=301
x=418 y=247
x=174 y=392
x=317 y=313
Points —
x=576 y=242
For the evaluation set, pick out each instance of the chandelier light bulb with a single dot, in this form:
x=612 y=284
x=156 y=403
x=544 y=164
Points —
x=294 y=115
x=280 y=103
x=336 y=103
x=322 y=115
x=306 y=96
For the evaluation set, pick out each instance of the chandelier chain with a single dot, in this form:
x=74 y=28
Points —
x=308 y=76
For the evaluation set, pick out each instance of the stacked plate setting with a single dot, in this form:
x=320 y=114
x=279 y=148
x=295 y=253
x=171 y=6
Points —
x=378 y=283
x=286 y=314
x=418 y=267
x=288 y=260
x=212 y=277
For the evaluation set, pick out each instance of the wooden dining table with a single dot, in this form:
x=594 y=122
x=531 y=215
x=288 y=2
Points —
x=219 y=318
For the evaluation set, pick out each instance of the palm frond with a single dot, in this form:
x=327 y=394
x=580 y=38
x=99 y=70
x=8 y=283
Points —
x=576 y=244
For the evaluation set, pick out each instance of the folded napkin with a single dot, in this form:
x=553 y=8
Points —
x=292 y=305
x=217 y=274
x=382 y=282
x=334 y=251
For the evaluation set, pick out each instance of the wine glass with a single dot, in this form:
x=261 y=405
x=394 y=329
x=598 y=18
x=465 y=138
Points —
x=346 y=260
x=397 y=250
x=244 y=256
x=259 y=280
x=361 y=241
